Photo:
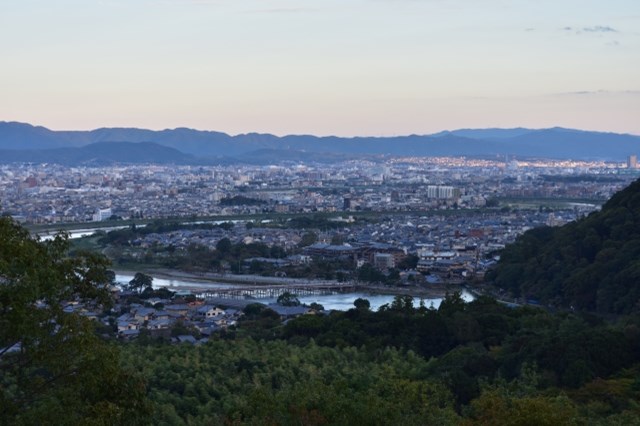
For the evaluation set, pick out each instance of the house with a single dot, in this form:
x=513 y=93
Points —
x=128 y=325
x=235 y=313
x=286 y=312
x=299 y=259
x=144 y=314
x=127 y=322
x=222 y=322
x=208 y=331
x=179 y=310
x=159 y=324
x=209 y=311
x=328 y=251
x=129 y=334
x=161 y=315
x=89 y=314
x=383 y=261
x=186 y=338
x=370 y=251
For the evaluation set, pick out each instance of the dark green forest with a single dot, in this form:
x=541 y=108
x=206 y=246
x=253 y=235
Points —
x=464 y=363
x=592 y=264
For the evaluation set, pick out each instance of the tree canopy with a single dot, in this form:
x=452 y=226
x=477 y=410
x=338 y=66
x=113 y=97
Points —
x=591 y=264
x=288 y=299
x=53 y=367
x=141 y=282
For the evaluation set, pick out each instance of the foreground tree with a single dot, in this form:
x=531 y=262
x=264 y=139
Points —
x=53 y=368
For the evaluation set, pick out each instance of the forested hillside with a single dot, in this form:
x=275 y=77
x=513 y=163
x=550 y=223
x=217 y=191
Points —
x=592 y=264
x=478 y=363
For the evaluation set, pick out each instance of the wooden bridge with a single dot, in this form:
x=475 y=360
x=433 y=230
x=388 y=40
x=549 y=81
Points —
x=270 y=291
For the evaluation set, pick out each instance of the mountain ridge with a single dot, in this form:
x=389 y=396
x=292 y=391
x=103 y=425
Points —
x=554 y=142
x=103 y=153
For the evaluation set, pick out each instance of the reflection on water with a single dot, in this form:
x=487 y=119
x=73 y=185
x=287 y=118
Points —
x=79 y=233
x=174 y=284
x=338 y=301
x=344 y=301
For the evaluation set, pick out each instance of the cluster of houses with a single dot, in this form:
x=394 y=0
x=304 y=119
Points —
x=455 y=264
x=201 y=318
x=180 y=320
x=382 y=255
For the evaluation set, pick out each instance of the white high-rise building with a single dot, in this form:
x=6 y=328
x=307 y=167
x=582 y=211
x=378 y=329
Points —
x=102 y=214
x=440 y=192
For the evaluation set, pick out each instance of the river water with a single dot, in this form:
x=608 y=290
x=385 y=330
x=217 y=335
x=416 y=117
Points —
x=337 y=301
x=79 y=233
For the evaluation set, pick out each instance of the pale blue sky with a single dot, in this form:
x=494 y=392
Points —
x=344 y=67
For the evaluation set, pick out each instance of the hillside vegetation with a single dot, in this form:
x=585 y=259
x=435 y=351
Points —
x=476 y=363
x=591 y=264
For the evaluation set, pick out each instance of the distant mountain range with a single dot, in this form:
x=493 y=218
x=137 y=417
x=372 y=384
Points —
x=101 y=154
x=20 y=142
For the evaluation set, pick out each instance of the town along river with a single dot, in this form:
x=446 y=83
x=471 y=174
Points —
x=331 y=301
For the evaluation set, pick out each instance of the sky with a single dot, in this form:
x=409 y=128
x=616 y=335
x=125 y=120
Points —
x=323 y=67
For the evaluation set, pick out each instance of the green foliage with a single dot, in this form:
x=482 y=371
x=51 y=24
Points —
x=481 y=340
x=250 y=382
x=308 y=239
x=368 y=273
x=53 y=368
x=224 y=246
x=466 y=363
x=141 y=282
x=316 y=306
x=162 y=293
x=409 y=262
x=288 y=299
x=492 y=202
x=362 y=304
x=591 y=264
x=316 y=221
x=495 y=408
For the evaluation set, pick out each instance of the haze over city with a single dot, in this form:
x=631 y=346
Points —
x=368 y=67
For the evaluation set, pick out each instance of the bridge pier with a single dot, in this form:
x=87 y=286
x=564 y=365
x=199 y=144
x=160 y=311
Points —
x=262 y=292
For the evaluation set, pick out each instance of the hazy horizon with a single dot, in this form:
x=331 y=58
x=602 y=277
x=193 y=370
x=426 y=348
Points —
x=159 y=129
x=344 y=68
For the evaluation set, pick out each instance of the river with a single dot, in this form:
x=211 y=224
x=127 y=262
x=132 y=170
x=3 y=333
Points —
x=336 y=301
x=79 y=233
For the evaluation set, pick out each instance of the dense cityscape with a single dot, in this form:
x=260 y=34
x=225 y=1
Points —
x=49 y=193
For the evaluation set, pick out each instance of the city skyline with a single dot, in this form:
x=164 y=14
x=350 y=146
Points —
x=370 y=67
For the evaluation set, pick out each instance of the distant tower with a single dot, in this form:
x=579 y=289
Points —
x=632 y=161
